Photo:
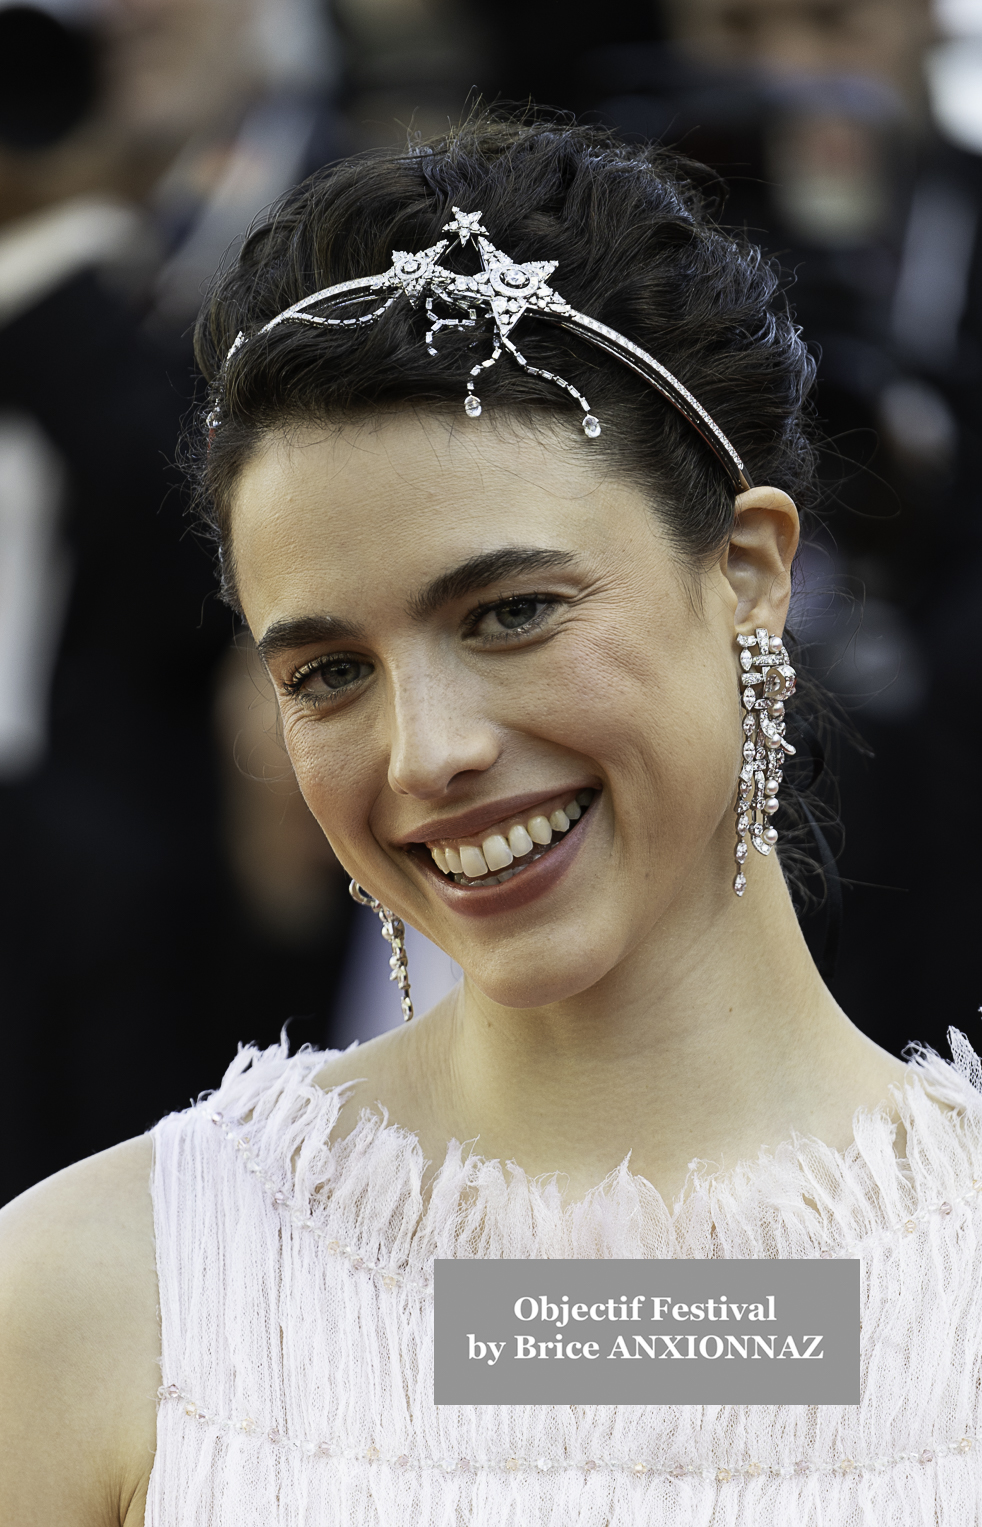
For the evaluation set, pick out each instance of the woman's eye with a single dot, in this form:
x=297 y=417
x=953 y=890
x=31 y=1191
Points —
x=339 y=675
x=512 y=615
x=333 y=674
x=518 y=613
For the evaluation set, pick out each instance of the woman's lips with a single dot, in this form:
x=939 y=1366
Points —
x=533 y=880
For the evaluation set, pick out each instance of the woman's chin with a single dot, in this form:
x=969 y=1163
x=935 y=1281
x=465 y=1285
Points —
x=557 y=980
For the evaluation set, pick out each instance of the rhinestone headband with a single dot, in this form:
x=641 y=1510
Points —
x=505 y=291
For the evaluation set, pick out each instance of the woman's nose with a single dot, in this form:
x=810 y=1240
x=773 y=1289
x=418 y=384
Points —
x=436 y=736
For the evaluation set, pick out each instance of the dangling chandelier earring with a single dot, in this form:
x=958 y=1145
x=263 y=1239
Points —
x=394 y=933
x=764 y=745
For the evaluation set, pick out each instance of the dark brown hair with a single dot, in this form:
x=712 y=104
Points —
x=637 y=248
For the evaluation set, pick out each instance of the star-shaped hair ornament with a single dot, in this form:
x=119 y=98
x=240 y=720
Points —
x=415 y=271
x=467 y=224
x=497 y=297
x=503 y=290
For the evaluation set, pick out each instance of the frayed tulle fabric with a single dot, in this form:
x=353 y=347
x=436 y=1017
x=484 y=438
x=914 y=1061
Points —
x=297 y=1324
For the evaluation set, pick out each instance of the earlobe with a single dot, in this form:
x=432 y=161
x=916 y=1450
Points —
x=757 y=561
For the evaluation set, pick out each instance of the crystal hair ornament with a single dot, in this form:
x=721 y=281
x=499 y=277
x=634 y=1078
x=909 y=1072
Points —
x=503 y=291
x=764 y=746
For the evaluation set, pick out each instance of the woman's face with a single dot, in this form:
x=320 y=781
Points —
x=469 y=629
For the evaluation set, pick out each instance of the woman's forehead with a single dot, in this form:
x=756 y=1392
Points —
x=395 y=504
x=420 y=458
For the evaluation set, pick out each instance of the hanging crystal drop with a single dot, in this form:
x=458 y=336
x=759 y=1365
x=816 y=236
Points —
x=472 y=405
x=591 y=426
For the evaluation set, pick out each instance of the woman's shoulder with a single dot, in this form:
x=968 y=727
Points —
x=79 y=1344
x=395 y=1078
x=367 y=1073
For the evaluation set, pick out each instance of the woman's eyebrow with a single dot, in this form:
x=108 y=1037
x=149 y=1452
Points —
x=287 y=635
x=477 y=572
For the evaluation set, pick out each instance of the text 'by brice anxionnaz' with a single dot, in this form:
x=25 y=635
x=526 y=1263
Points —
x=637 y=1345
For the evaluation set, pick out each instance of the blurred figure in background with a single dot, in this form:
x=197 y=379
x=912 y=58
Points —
x=239 y=97
x=127 y=163
x=101 y=600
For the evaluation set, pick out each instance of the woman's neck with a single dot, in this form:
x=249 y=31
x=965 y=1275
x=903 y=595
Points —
x=713 y=1038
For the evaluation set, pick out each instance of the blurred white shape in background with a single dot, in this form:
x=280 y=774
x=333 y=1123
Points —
x=288 y=60
x=919 y=422
x=41 y=251
x=293 y=44
x=34 y=582
x=959 y=18
x=865 y=650
x=267 y=158
x=954 y=72
x=367 y=1002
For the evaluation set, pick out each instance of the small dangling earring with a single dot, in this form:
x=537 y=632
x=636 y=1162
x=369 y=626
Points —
x=764 y=743
x=394 y=933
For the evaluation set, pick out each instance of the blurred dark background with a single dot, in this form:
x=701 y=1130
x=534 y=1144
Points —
x=164 y=893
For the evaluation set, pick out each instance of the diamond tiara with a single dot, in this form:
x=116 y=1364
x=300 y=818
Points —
x=506 y=291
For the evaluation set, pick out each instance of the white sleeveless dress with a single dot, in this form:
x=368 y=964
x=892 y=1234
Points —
x=296 y=1308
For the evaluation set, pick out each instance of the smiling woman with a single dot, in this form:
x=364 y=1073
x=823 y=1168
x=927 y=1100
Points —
x=527 y=647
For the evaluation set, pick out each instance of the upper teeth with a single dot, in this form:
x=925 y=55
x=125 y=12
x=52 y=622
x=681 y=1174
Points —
x=498 y=850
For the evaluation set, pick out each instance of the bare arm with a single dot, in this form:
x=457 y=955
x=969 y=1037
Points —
x=79 y=1346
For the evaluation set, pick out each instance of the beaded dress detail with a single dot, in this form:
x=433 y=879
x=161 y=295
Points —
x=297 y=1319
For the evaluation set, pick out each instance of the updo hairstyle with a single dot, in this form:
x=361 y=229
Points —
x=637 y=248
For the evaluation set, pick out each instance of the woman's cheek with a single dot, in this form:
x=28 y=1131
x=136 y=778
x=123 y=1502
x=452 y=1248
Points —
x=327 y=774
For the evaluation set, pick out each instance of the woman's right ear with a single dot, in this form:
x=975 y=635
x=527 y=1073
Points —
x=758 y=557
